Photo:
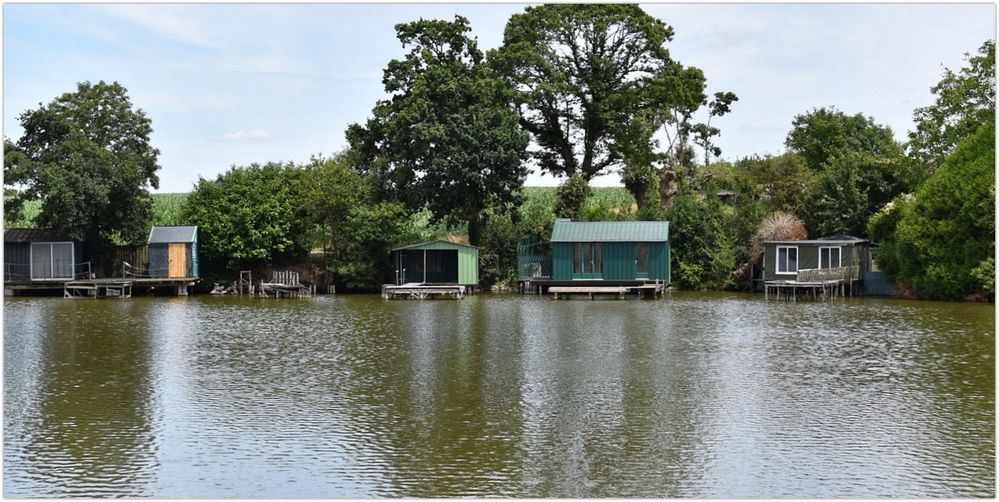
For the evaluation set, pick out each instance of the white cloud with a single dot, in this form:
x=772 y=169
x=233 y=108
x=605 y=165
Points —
x=164 y=20
x=254 y=135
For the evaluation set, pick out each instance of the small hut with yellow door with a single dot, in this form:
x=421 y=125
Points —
x=173 y=252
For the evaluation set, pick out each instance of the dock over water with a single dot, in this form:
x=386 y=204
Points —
x=422 y=291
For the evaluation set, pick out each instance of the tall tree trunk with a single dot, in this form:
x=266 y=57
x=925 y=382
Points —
x=476 y=228
x=667 y=187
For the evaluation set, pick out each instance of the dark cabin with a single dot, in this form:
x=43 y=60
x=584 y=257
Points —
x=34 y=255
x=610 y=250
x=436 y=262
x=782 y=260
x=173 y=252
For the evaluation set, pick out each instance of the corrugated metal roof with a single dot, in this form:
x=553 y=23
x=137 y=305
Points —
x=822 y=242
x=434 y=244
x=33 y=235
x=610 y=231
x=173 y=234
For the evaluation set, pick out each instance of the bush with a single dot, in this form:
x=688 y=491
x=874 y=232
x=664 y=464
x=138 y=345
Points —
x=939 y=243
x=248 y=216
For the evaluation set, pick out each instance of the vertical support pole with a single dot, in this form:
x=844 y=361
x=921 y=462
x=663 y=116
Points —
x=424 y=266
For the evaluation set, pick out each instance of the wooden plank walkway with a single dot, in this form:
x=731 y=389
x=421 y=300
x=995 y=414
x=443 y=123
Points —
x=98 y=288
x=655 y=289
x=421 y=291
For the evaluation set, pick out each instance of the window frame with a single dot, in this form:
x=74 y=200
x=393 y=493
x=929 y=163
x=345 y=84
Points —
x=639 y=255
x=777 y=262
x=828 y=250
x=51 y=264
x=587 y=258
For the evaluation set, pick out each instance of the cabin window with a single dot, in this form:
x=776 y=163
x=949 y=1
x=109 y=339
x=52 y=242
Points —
x=586 y=257
x=642 y=259
x=830 y=257
x=787 y=260
x=51 y=260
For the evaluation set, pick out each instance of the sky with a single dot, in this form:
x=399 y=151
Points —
x=234 y=84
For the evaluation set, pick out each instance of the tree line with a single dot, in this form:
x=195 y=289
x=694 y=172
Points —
x=575 y=91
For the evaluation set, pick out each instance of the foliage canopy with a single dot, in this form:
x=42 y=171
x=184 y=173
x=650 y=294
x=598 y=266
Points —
x=87 y=156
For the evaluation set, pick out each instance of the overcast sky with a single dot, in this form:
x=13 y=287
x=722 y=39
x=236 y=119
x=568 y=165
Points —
x=236 y=84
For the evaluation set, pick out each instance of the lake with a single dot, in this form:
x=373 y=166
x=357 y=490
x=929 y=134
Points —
x=694 y=395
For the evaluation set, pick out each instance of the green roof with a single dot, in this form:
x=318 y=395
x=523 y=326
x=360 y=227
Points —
x=610 y=231
x=435 y=244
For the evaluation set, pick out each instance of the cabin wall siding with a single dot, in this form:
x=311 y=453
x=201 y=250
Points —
x=562 y=261
x=659 y=261
x=16 y=257
x=468 y=266
x=618 y=260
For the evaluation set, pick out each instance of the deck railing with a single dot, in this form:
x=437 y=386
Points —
x=848 y=273
x=129 y=270
x=22 y=272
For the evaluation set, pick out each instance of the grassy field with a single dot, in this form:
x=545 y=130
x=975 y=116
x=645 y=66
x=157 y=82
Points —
x=167 y=206
x=166 y=211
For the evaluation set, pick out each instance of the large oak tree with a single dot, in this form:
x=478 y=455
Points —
x=447 y=136
x=88 y=157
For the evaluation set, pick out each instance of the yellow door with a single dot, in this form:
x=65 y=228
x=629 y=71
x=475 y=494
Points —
x=178 y=260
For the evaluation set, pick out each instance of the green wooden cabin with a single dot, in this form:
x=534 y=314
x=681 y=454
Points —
x=610 y=250
x=783 y=259
x=436 y=262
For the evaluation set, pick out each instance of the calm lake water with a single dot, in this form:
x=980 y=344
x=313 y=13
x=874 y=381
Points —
x=694 y=395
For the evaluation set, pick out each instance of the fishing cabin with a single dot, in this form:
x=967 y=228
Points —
x=601 y=256
x=433 y=268
x=173 y=252
x=38 y=259
x=824 y=267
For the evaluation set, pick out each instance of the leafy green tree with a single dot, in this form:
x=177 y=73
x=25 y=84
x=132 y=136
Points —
x=580 y=72
x=447 y=137
x=822 y=133
x=777 y=183
x=858 y=164
x=570 y=197
x=703 y=249
x=371 y=231
x=852 y=187
x=939 y=243
x=87 y=156
x=965 y=100
x=250 y=216
x=329 y=192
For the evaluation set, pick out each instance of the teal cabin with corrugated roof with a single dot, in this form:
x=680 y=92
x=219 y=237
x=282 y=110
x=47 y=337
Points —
x=610 y=250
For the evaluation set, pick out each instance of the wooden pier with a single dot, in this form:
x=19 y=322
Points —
x=642 y=291
x=422 y=291
x=123 y=287
x=284 y=284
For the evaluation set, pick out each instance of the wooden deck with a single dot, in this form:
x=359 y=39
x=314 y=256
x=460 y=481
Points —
x=792 y=291
x=642 y=290
x=815 y=284
x=123 y=287
x=422 y=291
x=285 y=284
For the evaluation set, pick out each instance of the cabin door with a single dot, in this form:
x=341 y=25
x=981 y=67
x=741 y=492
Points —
x=177 y=260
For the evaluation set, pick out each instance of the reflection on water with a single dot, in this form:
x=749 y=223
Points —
x=695 y=395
